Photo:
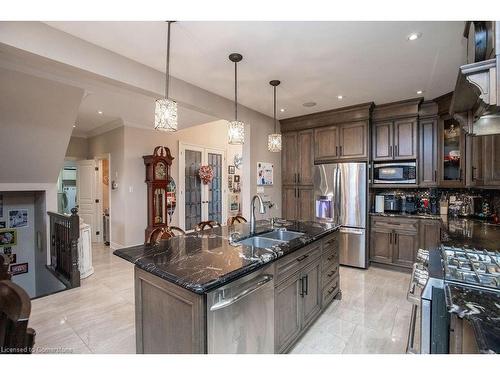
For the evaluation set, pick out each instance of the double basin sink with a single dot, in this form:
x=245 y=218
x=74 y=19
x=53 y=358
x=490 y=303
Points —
x=271 y=239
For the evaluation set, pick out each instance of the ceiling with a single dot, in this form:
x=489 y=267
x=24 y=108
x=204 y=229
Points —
x=316 y=61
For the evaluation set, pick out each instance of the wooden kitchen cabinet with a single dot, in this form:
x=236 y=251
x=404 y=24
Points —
x=353 y=140
x=395 y=140
x=289 y=202
x=430 y=234
x=491 y=160
x=405 y=246
x=311 y=280
x=428 y=155
x=305 y=203
x=474 y=162
x=288 y=312
x=305 y=149
x=381 y=245
x=289 y=158
x=326 y=141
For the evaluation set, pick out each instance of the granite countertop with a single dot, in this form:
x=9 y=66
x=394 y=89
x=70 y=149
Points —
x=205 y=260
x=482 y=309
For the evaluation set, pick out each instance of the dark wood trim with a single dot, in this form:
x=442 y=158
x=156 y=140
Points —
x=395 y=110
x=428 y=108
x=342 y=115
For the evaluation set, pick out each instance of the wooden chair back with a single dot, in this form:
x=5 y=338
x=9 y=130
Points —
x=176 y=231
x=15 y=309
x=209 y=224
x=236 y=219
x=164 y=233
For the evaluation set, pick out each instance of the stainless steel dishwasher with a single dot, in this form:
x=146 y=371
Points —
x=240 y=315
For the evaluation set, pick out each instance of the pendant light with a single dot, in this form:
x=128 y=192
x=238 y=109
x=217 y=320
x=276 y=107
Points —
x=165 y=108
x=236 y=129
x=274 y=140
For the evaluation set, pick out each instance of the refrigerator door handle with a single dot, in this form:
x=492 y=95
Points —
x=338 y=182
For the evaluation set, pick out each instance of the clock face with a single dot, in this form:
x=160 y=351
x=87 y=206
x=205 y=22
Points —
x=160 y=171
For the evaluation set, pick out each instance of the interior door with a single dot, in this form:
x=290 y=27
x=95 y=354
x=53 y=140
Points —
x=198 y=201
x=87 y=193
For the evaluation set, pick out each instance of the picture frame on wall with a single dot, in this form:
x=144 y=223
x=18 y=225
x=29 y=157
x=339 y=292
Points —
x=230 y=182
x=230 y=169
x=18 y=218
x=17 y=269
x=234 y=203
x=8 y=237
x=3 y=225
x=265 y=173
x=236 y=178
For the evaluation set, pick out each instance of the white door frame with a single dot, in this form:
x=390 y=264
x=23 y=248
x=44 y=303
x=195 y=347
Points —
x=99 y=210
x=92 y=204
x=204 y=191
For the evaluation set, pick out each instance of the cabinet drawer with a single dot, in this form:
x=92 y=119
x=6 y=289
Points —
x=330 y=291
x=292 y=263
x=331 y=242
x=395 y=223
x=329 y=260
x=329 y=274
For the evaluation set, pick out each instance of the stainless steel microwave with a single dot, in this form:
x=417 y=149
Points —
x=395 y=173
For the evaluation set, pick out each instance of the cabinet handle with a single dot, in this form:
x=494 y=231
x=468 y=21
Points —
x=390 y=150
x=295 y=178
x=472 y=174
x=306 y=277
x=298 y=193
x=332 y=289
x=298 y=178
x=460 y=176
x=340 y=148
x=390 y=238
x=330 y=258
x=300 y=259
x=301 y=287
x=336 y=150
x=435 y=175
x=396 y=151
x=331 y=273
x=395 y=238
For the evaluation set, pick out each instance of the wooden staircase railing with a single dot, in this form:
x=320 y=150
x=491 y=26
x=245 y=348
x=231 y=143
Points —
x=64 y=234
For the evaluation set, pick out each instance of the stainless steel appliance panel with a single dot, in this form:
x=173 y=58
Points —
x=352 y=250
x=325 y=201
x=240 y=315
x=352 y=194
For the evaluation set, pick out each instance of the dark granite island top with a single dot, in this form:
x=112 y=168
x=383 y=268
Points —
x=200 y=262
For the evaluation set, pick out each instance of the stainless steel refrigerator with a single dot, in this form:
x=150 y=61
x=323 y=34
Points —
x=340 y=197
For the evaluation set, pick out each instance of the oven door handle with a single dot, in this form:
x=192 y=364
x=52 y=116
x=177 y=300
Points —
x=410 y=345
x=227 y=302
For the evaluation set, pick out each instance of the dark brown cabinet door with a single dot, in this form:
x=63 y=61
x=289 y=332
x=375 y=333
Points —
x=287 y=320
x=428 y=152
x=289 y=204
x=353 y=141
x=474 y=160
x=305 y=157
x=405 y=139
x=492 y=160
x=382 y=141
x=405 y=246
x=430 y=234
x=311 y=292
x=305 y=203
x=381 y=245
x=326 y=141
x=289 y=158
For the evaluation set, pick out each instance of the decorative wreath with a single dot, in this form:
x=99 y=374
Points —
x=206 y=174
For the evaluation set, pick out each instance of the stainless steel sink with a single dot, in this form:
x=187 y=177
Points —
x=260 y=242
x=282 y=235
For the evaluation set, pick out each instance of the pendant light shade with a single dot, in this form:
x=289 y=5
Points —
x=165 y=108
x=236 y=129
x=274 y=140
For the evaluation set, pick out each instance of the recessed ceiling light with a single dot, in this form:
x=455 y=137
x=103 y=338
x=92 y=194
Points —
x=100 y=112
x=340 y=97
x=309 y=104
x=282 y=109
x=414 y=36
x=420 y=92
x=74 y=126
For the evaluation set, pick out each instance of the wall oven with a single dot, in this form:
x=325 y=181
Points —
x=395 y=173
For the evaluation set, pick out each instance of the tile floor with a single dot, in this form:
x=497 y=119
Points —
x=98 y=317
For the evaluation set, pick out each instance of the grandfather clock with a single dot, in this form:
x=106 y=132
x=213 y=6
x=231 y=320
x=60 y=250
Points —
x=157 y=177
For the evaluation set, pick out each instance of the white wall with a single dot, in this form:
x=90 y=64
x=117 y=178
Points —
x=78 y=148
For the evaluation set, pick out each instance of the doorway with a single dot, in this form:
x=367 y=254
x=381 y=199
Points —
x=199 y=201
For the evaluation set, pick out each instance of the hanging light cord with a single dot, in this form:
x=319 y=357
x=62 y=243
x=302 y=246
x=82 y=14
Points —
x=236 y=91
x=275 y=109
x=167 y=62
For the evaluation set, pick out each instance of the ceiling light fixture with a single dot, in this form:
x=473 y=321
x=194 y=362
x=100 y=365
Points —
x=274 y=140
x=236 y=129
x=309 y=104
x=340 y=97
x=414 y=36
x=166 y=109
x=420 y=92
x=282 y=109
x=100 y=112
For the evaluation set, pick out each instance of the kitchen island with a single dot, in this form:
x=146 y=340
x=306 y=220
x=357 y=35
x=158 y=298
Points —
x=183 y=282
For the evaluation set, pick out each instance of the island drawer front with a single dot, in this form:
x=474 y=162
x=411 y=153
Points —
x=329 y=260
x=329 y=274
x=330 y=291
x=294 y=262
x=331 y=243
x=395 y=223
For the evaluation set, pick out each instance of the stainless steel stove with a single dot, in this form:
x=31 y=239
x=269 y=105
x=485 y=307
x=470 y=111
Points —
x=479 y=268
x=434 y=268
